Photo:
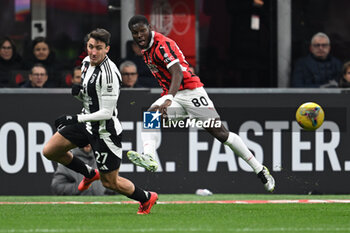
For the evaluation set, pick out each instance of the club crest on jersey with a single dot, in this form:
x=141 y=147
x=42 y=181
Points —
x=93 y=77
x=153 y=68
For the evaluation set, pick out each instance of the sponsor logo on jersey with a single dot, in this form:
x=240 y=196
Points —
x=167 y=59
x=109 y=88
x=153 y=68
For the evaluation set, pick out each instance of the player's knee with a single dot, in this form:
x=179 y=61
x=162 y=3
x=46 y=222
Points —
x=52 y=153
x=47 y=152
x=223 y=136
x=219 y=133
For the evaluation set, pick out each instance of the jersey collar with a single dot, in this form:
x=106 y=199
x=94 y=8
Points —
x=151 y=42
x=104 y=60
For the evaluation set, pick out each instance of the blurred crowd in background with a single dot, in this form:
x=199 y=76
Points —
x=237 y=44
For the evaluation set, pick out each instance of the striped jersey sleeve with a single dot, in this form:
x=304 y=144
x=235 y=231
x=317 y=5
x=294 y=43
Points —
x=110 y=80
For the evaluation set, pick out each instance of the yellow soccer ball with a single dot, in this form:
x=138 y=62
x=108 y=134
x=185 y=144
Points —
x=310 y=116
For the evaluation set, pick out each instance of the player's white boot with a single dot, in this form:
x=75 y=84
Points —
x=267 y=179
x=143 y=160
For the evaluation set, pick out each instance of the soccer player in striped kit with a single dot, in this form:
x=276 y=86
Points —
x=97 y=125
x=183 y=94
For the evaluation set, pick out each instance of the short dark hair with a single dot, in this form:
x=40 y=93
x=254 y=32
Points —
x=38 y=40
x=38 y=65
x=101 y=35
x=7 y=38
x=76 y=68
x=137 y=19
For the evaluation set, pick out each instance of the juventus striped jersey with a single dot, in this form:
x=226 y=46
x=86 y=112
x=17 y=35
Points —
x=100 y=92
x=161 y=54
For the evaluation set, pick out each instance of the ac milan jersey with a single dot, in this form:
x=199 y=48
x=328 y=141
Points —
x=161 y=55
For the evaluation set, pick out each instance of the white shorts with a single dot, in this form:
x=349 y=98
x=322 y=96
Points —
x=194 y=104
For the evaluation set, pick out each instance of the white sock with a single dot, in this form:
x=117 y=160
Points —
x=239 y=148
x=150 y=140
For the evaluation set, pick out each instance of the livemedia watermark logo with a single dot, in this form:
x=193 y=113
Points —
x=153 y=120
x=191 y=123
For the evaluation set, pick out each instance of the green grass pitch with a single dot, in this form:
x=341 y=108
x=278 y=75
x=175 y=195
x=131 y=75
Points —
x=275 y=218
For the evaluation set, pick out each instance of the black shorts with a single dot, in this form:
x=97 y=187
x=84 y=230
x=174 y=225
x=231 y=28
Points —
x=107 y=150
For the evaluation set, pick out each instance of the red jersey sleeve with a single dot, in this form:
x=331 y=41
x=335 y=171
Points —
x=167 y=53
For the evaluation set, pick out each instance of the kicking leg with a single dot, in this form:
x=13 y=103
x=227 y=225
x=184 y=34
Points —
x=150 y=139
x=147 y=159
x=239 y=148
x=237 y=145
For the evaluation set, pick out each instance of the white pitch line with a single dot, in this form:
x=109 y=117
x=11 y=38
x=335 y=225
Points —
x=305 y=201
x=280 y=229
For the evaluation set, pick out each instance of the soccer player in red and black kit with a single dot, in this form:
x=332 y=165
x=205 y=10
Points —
x=183 y=95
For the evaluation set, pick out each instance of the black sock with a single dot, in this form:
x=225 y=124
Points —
x=140 y=195
x=79 y=166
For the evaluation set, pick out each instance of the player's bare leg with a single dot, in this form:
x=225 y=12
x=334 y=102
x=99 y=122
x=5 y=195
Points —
x=58 y=149
x=239 y=148
x=112 y=180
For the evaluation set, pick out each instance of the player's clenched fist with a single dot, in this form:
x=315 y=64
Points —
x=76 y=89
